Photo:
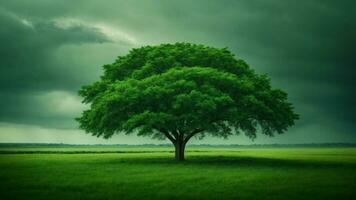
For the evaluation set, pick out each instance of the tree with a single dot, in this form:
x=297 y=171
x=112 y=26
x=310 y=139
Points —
x=178 y=91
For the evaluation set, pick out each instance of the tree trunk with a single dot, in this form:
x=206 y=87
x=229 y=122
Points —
x=179 y=150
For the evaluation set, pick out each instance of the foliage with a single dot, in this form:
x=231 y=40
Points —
x=182 y=90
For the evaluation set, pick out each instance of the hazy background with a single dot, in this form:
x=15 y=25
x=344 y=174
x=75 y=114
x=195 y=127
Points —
x=50 y=48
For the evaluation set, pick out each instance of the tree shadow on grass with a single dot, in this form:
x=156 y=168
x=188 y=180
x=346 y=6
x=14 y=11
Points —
x=247 y=161
x=234 y=161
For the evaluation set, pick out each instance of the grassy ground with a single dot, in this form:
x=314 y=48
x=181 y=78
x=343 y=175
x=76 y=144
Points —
x=208 y=173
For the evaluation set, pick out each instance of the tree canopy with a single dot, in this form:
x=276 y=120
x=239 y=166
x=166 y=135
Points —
x=181 y=90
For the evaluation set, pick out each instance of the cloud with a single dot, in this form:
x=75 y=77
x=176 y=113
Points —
x=47 y=109
x=40 y=71
x=61 y=103
x=112 y=33
x=28 y=46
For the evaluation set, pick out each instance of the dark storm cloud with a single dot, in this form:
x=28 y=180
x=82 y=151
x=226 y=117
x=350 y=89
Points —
x=29 y=67
x=307 y=48
x=27 y=48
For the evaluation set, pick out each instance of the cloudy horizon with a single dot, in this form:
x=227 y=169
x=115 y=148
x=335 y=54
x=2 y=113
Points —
x=50 y=49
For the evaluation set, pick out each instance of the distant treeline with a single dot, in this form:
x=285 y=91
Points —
x=168 y=145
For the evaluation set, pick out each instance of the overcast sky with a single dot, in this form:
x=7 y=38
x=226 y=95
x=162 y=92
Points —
x=49 y=49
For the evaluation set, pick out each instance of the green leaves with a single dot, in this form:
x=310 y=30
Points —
x=177 y=89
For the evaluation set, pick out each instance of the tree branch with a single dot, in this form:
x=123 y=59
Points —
x=196 y=131
x=175 y=134
x=167 y=134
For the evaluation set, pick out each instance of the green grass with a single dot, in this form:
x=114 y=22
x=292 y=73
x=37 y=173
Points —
x=208 y=173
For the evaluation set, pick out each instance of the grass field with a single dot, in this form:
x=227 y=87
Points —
x=151 y=173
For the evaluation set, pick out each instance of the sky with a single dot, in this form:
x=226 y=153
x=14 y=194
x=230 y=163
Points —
x=49 y=49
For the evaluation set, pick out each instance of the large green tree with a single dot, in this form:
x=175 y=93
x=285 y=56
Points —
x=178 y=91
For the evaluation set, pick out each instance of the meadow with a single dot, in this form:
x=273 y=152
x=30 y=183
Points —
x=91 y=172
